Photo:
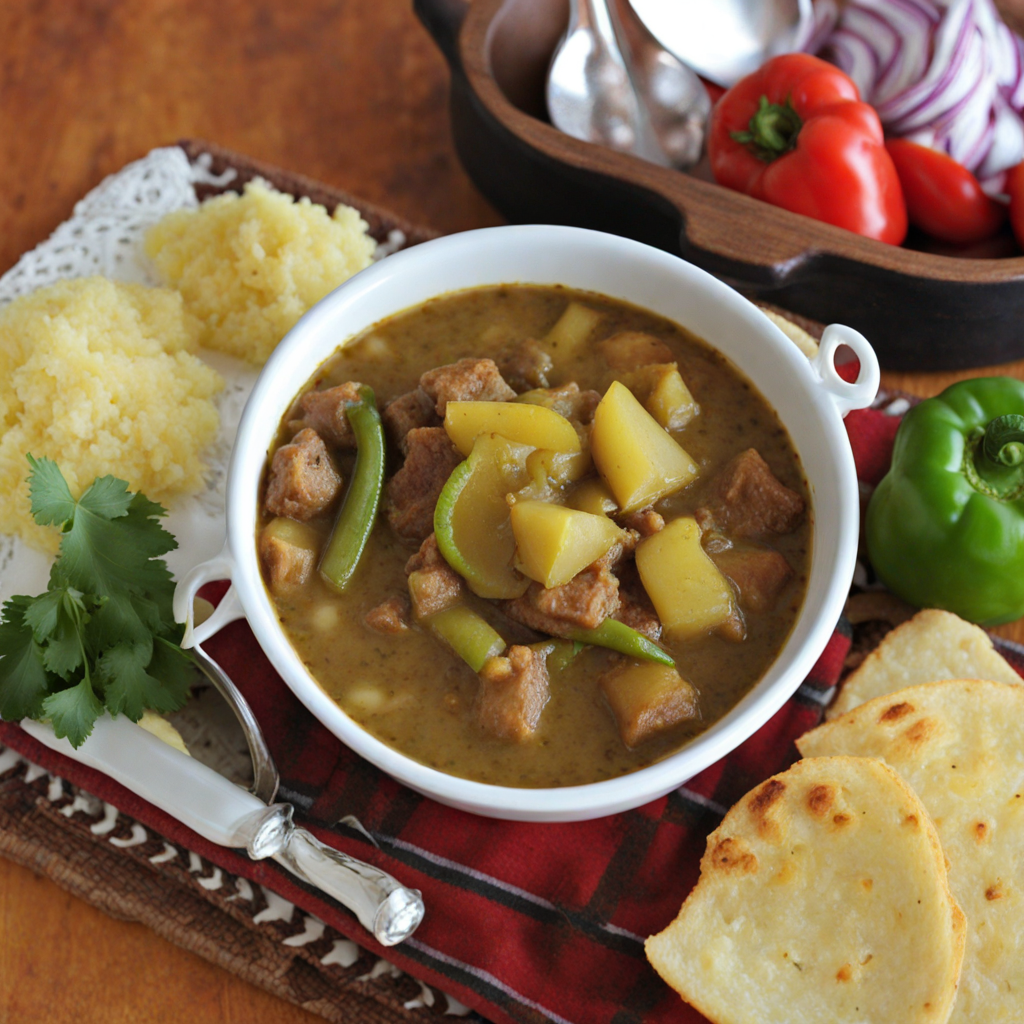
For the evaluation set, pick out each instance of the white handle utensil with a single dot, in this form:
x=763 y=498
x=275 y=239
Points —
x=229 y=816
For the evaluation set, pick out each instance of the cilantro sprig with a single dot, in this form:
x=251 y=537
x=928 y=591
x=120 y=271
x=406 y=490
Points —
x=103 y=636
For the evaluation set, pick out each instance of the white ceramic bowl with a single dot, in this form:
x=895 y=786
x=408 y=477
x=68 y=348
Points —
x=810 y=398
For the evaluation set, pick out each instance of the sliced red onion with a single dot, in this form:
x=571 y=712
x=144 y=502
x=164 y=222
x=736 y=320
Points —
x=945 y=73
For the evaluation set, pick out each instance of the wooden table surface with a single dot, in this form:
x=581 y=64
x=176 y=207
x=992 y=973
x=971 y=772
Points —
x=351 y=92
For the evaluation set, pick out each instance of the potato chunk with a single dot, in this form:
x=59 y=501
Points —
x=647 y=698
x=638 y=459
x=572 y=329
x=288 y=551
x=532 y=425
x=594 y=497
x=554 y=543
x=664 y=394
x=689 y=594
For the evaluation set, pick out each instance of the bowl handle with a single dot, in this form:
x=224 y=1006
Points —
x=230 y=608
x=443 y=20
x=847 y=396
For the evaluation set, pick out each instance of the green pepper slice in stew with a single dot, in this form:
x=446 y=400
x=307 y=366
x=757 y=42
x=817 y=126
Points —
x=617 y=636
x=358 y=512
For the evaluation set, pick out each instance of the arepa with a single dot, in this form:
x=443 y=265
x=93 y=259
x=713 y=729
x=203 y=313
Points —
x=932 y=645
x=822 y=897
x=960 y=745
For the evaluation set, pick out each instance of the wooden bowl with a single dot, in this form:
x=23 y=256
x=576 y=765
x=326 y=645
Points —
x=921 y=310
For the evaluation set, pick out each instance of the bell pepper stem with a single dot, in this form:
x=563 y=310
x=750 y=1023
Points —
x=994 y=458
x=358 y=512
x=772 y=131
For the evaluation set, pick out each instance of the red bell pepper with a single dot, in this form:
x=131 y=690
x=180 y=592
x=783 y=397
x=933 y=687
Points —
x=943 y=198
x=795 y=134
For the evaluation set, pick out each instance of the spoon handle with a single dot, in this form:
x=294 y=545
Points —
x=385 y=907
x=227 y=815
x=265 y=776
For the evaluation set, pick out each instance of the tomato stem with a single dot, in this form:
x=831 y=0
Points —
x=772 y=131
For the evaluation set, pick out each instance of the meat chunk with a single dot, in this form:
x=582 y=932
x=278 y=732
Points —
x=525 y=365
x=569 y=401
x=433 y=589
x=513 y=692
x=646 y=522
x=747 y=500
x=303 y=480
x=389 y=617
x=412 y=492
x=638 y=613
x=468 y=380
x=758 y=574
x=582 y=603
x=620 y=552
x=408 y=412
x=433 y=584
x=628 y=350
x=285 y=565
x=635 y=608
x=427 y=557
x=324 y=412
x=588 y=402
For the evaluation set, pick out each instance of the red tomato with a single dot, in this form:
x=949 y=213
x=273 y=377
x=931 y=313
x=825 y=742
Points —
x=943 y=198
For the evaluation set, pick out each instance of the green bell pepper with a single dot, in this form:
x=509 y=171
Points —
x=945 y=527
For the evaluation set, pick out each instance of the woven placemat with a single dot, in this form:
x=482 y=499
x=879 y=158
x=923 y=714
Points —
x=128 y=871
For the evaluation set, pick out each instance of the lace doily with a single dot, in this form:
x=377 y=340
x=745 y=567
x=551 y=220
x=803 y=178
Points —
x=104 y=236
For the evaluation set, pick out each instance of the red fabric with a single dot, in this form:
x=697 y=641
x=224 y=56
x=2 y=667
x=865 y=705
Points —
x=524 y=922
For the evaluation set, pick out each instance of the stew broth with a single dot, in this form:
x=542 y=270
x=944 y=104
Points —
x=417 y=696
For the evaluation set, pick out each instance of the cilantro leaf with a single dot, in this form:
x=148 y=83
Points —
x=52 y=504
x=23 y=678
x=58 y=619
x=175 y=670
x=127 y=687
x=73 y=712
x=105 y=556
x=104 y=632
x=121 y=618
x=108 y=498
x=140 y=676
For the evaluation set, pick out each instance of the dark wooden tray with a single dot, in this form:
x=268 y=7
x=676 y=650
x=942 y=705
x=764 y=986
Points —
x=921 y=310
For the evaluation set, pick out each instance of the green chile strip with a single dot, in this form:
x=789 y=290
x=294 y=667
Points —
x=469 y=635
x=617 y=636
x=359 y=510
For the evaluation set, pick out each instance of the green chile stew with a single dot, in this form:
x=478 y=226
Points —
x=551 y=712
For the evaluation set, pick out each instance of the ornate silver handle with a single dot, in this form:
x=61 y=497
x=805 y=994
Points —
x=385 y=907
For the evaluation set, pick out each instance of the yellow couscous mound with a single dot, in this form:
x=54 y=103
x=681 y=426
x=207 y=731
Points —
x=249 y=266
x=99 y=376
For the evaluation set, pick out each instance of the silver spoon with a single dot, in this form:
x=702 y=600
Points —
x=723 y=40
x=265 y=780
x=675 y=100
x=589 y=92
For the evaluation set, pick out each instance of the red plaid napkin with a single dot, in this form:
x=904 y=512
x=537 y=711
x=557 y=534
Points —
x=524 y=922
